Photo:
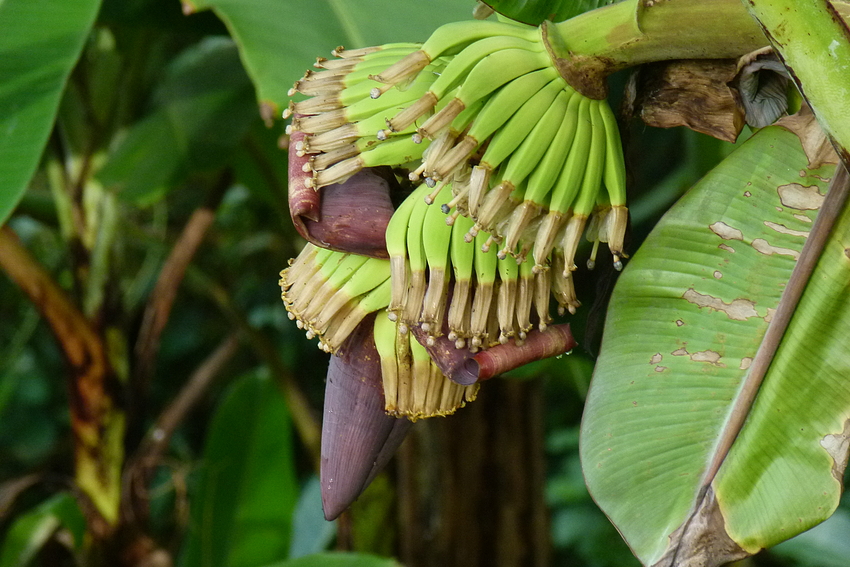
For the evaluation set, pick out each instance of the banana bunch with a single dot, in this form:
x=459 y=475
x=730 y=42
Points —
x=480 y=108
x=414 y=387
x=510 y=164
x=438 y=275
x=328 y=293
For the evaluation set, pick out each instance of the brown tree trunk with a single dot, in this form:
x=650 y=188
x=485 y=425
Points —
x=471 y=486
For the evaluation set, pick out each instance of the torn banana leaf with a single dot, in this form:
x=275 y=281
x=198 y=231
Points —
x=685 y=321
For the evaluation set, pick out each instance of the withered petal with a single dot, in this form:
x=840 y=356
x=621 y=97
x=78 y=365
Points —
x=354 y=215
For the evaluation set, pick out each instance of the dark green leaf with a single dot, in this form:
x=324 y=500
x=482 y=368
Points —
x=311 y=533
x=242 y=509
x=203 y=110
x=32 y=530
x=40 y=41
x=535 y=12
x=278 y=42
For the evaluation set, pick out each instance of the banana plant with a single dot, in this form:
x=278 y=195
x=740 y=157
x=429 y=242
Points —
x=505 y=127
x=444 y=188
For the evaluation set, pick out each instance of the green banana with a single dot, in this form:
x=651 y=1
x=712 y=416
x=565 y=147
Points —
x=495 y=112
x=385 y=343
x=370 y=275
x=567 y=185
x=364 y=52
x=485 y=279
x=460 y=65
x=396 y=237
x=416 y=261
x=543 y=178
x=405 y=369
x=525 y=298
x=421 y=378
x=589 y=190
x=489 y=74
x=614 y=178
x=437 y=242
x=318 y=82
x=344 y=322
x=463 y=264
x=527 y=160
x=395 y=151
x=542 y=287
x=448 y=40
x=348 y=265
x=508 y=138
x=506 y=298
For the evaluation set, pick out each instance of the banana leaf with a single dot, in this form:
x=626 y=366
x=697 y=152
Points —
x=40 y=42
x=534 y=12
x=278 y=40
x=685 y=321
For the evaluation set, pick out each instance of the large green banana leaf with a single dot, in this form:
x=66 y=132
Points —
x=685 y=321
x=277 y=39
x=40 y=42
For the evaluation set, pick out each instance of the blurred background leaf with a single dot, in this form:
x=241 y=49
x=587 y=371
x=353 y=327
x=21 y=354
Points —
x=247 y=490
x=202 y=110
x=40 y=42
x=33 y=529
x=278 y=42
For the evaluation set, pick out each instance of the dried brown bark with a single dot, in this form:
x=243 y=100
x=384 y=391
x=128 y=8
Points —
x=96 y=419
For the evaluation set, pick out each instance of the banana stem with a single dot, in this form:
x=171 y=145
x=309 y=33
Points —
x=814 y=43
x=591 y=46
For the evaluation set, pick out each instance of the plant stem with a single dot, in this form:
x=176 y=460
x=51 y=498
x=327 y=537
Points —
x=96 y=421
x=593 y=45
x=814 y=43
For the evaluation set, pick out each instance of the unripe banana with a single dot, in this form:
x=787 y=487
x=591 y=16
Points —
x=485 y=278
x=421 y=378
x=345 y=76
x=542 y=180
x=437 y=241
x=463 y=263
x=371 y=274
x=566 y=187
x=404 y=361
x=385 y=337
x=450 y=39
x=495 y=112
x=343 y=323
x=348 y=265
x=614 y=178
x=592 y=179
x=361 y=53
x=525 y=299
x=398 y=150
x=460 y=65
x=511 y=135
x=569 y=181
x=489 y=74
x=522 y=162
x=506 y=300
x=417 y=262
x=542 y=287
x=396 y=237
